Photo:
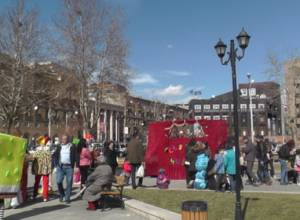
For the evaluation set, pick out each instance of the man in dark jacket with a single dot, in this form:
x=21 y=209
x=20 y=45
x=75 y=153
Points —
x=135 y=156
x=250 y=155
x=65 y=158
x=261 y=154
x=284 y=154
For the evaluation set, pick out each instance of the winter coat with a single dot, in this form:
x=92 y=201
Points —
x=191 y=157
x=219 y=166
x=111 y=156
x=284 y=152
x=85 y=157
x=135 y=151
x=229 y=161
x=72 y=155
x=261 y=152
x=250 y=152
x=99 y=180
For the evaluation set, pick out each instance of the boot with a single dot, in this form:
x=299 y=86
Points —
x=91 y=206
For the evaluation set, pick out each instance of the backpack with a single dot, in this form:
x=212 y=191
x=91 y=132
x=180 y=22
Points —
x=283 y=153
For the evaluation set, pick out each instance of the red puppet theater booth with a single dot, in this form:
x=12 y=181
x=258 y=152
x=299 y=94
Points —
x=167 y=142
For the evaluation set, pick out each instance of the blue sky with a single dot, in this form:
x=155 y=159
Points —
x=172 y=41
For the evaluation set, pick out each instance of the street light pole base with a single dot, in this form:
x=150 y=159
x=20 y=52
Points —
x=238 y=211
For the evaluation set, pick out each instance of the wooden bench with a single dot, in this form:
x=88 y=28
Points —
x=116 y=192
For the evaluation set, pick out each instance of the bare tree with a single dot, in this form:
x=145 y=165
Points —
x=91 y=45
x=20 y=42
x=276 y=71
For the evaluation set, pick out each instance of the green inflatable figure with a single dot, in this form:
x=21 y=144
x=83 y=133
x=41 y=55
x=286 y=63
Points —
x=12 y=152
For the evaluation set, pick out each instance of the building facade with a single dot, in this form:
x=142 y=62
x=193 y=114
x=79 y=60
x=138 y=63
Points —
x=56 y=111
x=265 y=105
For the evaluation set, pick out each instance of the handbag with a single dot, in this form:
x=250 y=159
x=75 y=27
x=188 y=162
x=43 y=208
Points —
x=140 y=172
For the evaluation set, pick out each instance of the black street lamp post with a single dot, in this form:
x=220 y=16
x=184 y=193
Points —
x=243 y=40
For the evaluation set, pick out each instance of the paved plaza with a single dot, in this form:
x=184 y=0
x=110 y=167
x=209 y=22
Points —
x=77 y=209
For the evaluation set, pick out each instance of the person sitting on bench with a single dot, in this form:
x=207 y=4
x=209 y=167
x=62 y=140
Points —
x=98 y=181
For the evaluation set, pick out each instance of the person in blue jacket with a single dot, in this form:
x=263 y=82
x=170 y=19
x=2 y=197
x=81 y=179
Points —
x=229 y=164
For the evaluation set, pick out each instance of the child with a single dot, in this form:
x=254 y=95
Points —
x=297 y=165
x=162 y=180
x=127 y=171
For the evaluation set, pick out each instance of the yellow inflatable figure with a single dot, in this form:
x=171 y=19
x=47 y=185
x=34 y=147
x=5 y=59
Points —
x=12 y=152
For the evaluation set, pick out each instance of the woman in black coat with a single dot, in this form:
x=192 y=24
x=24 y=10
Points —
x=111 y=155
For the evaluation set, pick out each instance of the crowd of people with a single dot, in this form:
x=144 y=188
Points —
x=218 y=172
x=69 y=157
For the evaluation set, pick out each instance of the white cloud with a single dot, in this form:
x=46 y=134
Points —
x=143 y=79
x=177 y=73
x=170 y=46
x=171 y=91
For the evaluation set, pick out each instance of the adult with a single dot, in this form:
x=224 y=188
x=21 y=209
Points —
x=284 y=153
x=42 y=167
x=135 y=156
x=65 y=157
x=111 y=155
x=190 y=161
x=270 y=162
x=263 y=159
x=99 y=180
x=250 y=155
x=84 y=160
x=229 y=164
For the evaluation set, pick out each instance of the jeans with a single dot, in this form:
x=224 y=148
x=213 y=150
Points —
x=62 y=172
x=220 y=181
x=249 y=172
x=135 y=167
x=232 y=179
x=284 y=172
x=262 y=172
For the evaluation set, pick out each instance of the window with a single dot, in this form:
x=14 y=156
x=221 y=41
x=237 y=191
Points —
x=253 y=106
x=216 y=106
x=216 y=117
x=261 y=106
x=225 y=106
x=243 y=106
x=232 y=107
x=244 y=92
x=198 y=117
x=206 y=106
x=207 y=117
x=197 y=107
x=225 y=117
x=252 y=91
x=263 y=96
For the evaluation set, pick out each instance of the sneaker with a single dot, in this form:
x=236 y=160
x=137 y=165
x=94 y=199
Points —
x=45 y=200
x=61 y=199
x=67 y=202
x=298 y=184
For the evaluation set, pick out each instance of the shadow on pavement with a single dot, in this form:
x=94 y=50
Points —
x=34 y=212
